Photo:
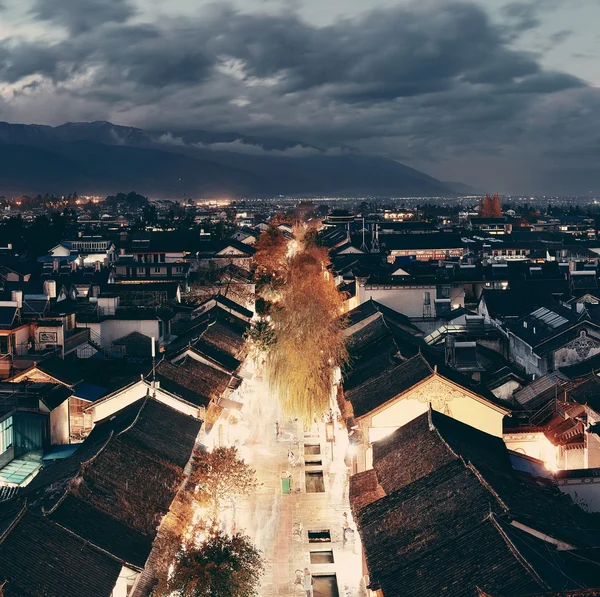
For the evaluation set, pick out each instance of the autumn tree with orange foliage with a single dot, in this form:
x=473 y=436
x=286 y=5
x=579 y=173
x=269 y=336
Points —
x=270 y=258
x=271 y=248
x=309 y=342
x=491 y=207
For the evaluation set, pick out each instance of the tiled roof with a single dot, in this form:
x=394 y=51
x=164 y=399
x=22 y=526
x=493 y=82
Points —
x=218 y=332
x=226 y=335
x=38 y=558
x=566 y=593
x=390 y=383
x=116 y=487
x=587 y=392
x=364 y=490
x=443 y=525
x=192 y=380
x=479 y=556
x=371 y=350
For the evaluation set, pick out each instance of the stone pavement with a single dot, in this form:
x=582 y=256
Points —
x=279 y=524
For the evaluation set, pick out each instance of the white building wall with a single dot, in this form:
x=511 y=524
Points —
x=113 y=329
x=125 y=582
x=135 y=392
x=408 y=301
x=585 y=492
x=59 y=425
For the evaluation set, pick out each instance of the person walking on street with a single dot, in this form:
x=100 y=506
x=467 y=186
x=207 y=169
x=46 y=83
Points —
x=291 y=458
x=308 y=582
x=276 y=431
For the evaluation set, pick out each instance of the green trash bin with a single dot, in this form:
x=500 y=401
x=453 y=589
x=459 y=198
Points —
x=286 y=483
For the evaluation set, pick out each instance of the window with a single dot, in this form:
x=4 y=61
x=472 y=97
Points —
x=179 y=269
x=157 y=270
x=162 y=257
x=141 y=270
x=155 y=257
x=6 y=435
x=4 y=344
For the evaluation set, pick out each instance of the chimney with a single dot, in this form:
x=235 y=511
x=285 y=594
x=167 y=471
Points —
x=17 y=297
x=97 y=266
x=50 y=288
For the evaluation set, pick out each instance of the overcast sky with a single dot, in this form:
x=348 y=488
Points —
x=501 y=95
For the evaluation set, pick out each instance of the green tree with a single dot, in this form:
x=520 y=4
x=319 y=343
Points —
x=223 y=566
x=262 y=335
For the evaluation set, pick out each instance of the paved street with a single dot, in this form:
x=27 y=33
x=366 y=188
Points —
x=279 y=524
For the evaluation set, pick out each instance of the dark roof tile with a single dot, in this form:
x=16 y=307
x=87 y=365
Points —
x=40 y=559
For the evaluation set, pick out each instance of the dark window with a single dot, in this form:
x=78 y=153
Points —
x=321 y=536
x=325 y=586
x=321 y=557
x=6 y=434
x=314 y=482
x=309 y=462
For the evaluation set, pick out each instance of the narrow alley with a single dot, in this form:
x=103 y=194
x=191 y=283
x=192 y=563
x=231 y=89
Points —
x=299 y=529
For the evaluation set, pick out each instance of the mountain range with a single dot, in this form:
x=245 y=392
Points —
x=104 y=158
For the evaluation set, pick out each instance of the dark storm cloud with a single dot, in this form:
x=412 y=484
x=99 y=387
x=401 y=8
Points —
x=433 y=81
x=384 y=56
x=140 y=55
x=82 y=15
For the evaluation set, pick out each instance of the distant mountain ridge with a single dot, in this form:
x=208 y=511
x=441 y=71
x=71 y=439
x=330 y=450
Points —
x=101 y=157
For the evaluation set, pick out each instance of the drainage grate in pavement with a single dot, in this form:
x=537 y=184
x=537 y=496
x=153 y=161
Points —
x=319 y=536
x=324 y=556
x=312 y=449
x=314 y=482
x=325 y=586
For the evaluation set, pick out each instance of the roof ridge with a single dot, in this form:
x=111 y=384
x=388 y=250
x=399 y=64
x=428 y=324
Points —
x=93 y=545
x=133 y=423
x=424 y=359
x=520 y=558
x=469 y=465
x=79 y=474
x=12 y=525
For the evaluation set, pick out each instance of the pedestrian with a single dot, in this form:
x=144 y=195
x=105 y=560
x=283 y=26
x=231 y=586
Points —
x=276 y=431
x=308 y=582
x=291 y=458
